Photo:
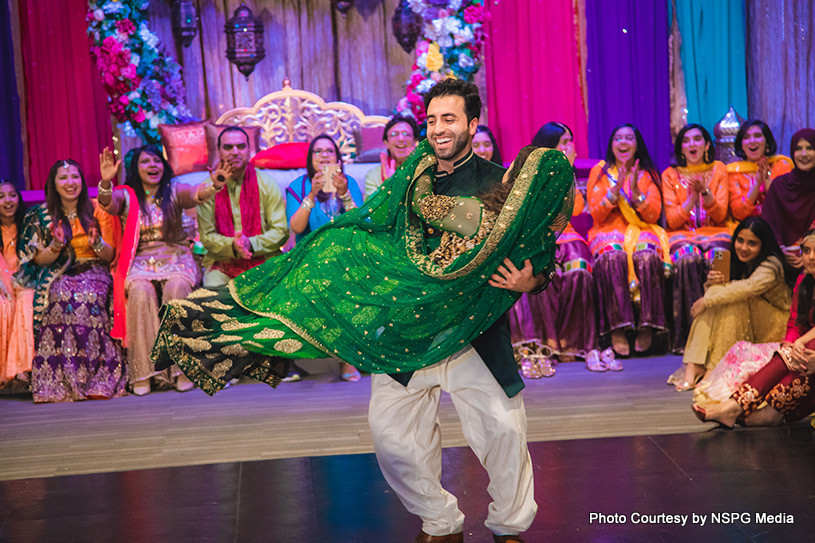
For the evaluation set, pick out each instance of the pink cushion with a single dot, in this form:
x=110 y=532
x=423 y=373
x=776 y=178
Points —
x=369 y=143
x=285 y=156
x=185 y=146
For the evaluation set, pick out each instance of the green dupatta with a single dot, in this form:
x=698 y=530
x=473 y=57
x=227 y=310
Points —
x=362 y=287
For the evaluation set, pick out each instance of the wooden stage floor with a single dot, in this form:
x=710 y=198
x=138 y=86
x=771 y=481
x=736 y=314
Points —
x=294 y=464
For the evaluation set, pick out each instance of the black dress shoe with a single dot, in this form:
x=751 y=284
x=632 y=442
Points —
x=449 y=538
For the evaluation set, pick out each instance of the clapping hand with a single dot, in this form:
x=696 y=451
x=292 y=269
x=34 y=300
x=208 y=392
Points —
x=635 y=189
x=242 y=246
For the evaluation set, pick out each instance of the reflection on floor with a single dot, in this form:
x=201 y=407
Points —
x=748 y=485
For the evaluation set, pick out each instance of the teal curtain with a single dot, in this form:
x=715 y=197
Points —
x=713 y=57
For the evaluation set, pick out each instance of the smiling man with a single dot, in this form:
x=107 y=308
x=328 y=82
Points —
x=245 y=224
x=482 y=378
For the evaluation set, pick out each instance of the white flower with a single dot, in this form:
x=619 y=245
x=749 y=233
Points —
x=135 y=59
x=465 y=60
x=112 y=7
x=98 y=14
x=133 y=95
x=416 y=6
x=454 y=5
x=421 y=62
x=153 y=122
x=424 y=86
x=465 y=35
x=127 y=128
x=150 y=39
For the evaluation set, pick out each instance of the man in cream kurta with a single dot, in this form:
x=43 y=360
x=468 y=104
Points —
x=233 y=148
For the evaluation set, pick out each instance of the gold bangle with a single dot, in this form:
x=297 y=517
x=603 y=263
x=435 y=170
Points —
x=102 y=191
x=307 y=203
x=56 y=252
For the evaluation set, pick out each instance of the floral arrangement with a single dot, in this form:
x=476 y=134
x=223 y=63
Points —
x=450 y=45
x=143 y=82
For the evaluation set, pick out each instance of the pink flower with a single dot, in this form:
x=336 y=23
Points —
x=124 y=99
x=139 y=116
x=476 y=14
x=129 y=71
x=125 y=26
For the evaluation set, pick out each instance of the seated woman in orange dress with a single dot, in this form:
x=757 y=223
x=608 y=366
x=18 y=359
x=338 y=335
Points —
x=750 y=178
x=16 y=336
x=695 y=201
x=630 y=250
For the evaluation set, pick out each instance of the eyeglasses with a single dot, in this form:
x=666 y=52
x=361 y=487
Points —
x=324 y=152
x=403 y=133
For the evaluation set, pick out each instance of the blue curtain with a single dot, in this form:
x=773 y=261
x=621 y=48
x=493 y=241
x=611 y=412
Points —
x=713 y=58
x=627 y=73
x=11 y=143
x=781 y=66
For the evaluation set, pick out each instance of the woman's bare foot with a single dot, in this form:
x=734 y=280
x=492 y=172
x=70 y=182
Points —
x=141 y=387
x=183 y=384
x=725 y=413
x=766 y=416
x=644 y=339
x=620 y=343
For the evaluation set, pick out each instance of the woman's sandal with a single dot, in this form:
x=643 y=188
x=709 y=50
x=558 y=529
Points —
x=593 y=361
x=349 y=373
x=536 y=364
x=685 y=385
x=701 y=414
x=611 y=361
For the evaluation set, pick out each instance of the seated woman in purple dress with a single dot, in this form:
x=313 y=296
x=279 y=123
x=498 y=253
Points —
x=66 y=249
x=765 y=384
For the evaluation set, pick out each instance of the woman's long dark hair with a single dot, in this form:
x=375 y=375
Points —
x=18 y=215
x=708 y=157
x=496 y=152
x=549 y=134
x=769 y=247
x=771 y=147
x=646 y=163
x=495 y=198
x=84 y=207
x=311 y=171
x=171 y=228
x=806 y=298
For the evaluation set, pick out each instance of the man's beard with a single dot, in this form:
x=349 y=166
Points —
x=459 y=144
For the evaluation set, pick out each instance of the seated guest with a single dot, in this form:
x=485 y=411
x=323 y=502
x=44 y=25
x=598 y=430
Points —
x=563 y=316
x=401 y=136
x=790 y=203
x=245 y=224
x=156 y=256
x=750 y=178
x=630 y=251
x=765 y=384
x=694 y=193
x=752 y=306
x=485 y=145
x=66 y=249
x=16 y=304
x=308 y=207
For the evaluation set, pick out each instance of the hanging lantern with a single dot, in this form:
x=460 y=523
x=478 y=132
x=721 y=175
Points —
x=244 y=40
x=725 y=133
x=407 y=25
x=185 y=21
x=342 y=5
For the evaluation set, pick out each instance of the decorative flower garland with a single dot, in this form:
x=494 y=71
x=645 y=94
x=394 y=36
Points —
x=450 y=46
x=143 y=82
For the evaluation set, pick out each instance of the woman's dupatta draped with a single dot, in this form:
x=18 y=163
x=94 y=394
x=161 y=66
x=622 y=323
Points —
x=363 y=289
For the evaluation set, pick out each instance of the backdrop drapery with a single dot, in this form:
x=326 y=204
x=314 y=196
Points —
x=11 y=145
x=66 y=111
x=780 y=66
x=713 y=54
x=627 y=73
x=354 y=59
x=533 y=72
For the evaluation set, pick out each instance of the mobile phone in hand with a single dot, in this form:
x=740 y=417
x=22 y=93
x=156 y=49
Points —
x=721 y=263
x=328 y=177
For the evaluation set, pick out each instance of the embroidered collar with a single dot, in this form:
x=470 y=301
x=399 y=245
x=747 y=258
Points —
x=456 y=165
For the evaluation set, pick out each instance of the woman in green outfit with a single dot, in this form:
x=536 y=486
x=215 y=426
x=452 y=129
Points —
x=369 y=287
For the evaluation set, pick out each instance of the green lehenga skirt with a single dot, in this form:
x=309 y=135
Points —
x=214 y=340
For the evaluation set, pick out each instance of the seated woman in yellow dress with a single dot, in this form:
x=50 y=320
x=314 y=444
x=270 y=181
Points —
x=752 y=305
x=695 y=200
x=749 y=179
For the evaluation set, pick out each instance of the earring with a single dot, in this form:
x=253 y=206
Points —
x=707 y=154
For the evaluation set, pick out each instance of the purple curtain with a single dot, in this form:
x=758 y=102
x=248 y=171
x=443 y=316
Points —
x=11 y=143
x=627 y=73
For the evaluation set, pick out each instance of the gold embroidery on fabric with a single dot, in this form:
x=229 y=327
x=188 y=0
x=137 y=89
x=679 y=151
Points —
x=197 y=345
x=186 y=303
x=252 y=344
x=233 y=326
x=221 y=368
x=234 y=350
x=198 y=326
x=220 y=317
x=268 y=333
x=217 y=305
x=201 y=293
x=288 y=346
x=434 y=207
x=226 y=339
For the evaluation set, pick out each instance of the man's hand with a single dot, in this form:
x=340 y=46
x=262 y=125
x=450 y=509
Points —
x=511 y=278
x=242 y=246
x=697 y=308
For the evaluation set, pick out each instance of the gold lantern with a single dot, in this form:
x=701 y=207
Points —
x=244 y=40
